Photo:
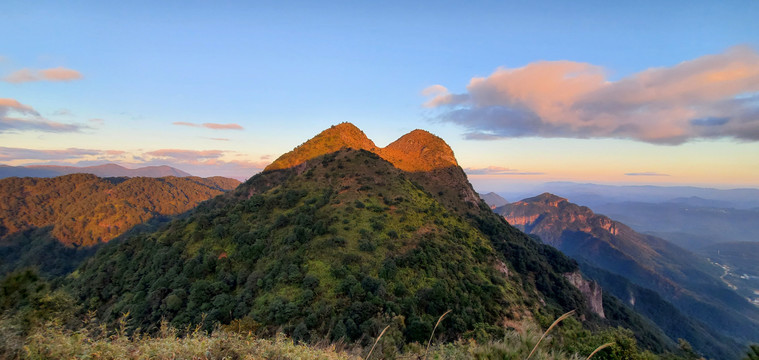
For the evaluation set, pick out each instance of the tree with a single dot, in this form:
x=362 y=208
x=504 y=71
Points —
x=753 y=353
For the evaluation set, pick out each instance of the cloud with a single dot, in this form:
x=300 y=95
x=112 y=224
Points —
x=713 y=96
x=7 y=154
x=201 y=163
x=219 y=139
x=497 y=170
x=62 y=112
x=15 y=116
x=205 y=162
x=647 y=173
x=55 y=74
x=213 y=126
x=187 y=156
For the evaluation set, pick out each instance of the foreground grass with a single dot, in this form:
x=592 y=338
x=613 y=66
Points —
x=55 y=342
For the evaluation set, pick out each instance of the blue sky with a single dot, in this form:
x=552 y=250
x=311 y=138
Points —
x=283 y=71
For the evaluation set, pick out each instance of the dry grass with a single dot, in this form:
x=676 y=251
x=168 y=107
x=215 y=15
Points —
x=556 y=322
x=94 y=341
x=604 y=346
x=433 y=332
x=53 y=342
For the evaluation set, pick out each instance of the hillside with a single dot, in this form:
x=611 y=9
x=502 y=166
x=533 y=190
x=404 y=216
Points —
x=106 y=170
x=41 y=217
x=688 y=281
x=337 y=244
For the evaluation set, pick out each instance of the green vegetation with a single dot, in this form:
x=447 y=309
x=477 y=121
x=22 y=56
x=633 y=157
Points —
x=753 y=353
x=343 y=256
x=31 y=327
x=687 y=298
x=305 y=257
x=334 y=252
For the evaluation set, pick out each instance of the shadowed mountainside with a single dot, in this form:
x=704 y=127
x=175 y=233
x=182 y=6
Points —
x=690 y=282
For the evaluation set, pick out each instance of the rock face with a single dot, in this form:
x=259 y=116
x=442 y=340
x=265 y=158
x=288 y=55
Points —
x=590 y=290
x=549 y=216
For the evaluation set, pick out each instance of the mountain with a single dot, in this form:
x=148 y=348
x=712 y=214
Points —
x=106 y=170
x=493 y=200
x=665 y=315
x=686 y=280
x=593 y=195
x=335 y=242
x=48 y=218
x=414 y=152
x=692 y=223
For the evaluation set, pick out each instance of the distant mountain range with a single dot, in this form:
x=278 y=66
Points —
x=106 y=170
x=493 y=200
x=593 y=195
x=688 y=281
x=690 y=217
x=692 y=223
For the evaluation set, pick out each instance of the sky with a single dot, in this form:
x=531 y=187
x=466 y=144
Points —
x=644 y=92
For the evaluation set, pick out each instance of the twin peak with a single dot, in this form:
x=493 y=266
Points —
x=416 y=151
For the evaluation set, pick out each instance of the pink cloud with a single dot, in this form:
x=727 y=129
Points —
x=55 y=74
x=497 y=170
x=15 y=116
x=7 y=154
x=213 y=126
x=184 y=123
x=11 y=104
x=222 y=126
x=206 y=162
x=187 y=156
x=709 y=97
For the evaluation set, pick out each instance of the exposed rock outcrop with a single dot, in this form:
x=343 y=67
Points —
x=590 y=290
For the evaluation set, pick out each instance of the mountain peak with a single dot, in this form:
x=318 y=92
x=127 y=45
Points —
x=416 y=151
x=419 y=150
x=545 y=199
x=343 y=135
